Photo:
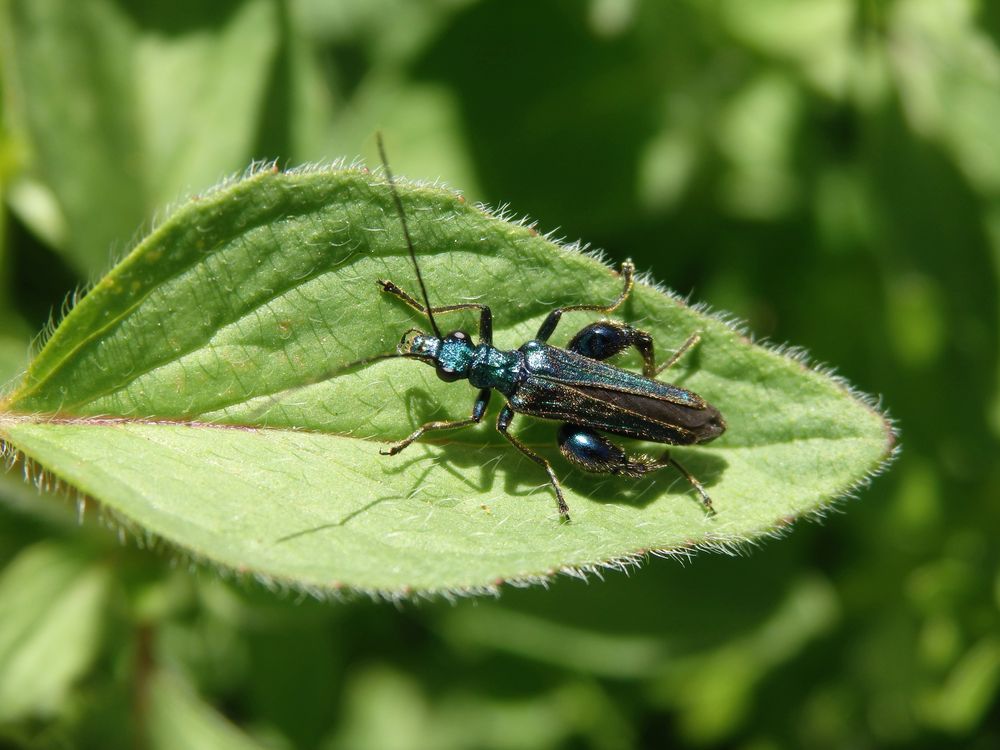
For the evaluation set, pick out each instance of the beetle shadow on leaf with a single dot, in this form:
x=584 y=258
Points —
x=520 y=477
x=421 y=408
x=707 y=468
x=342 y=521
x=479 y=468
x=460 y=464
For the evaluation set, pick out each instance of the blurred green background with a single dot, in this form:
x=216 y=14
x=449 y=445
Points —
x=828 y=170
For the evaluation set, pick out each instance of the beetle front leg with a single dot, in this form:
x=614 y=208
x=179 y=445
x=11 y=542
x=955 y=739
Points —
x=503 y=423
x=485 y=314
x=478 y=409
x=548 y=326
x=593 y=452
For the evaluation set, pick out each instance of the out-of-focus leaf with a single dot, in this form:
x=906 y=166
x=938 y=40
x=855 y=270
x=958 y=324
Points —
x=70 y=92
x=136 y=106
x=710 y=688
x=179 y=718
x=969 y=690
x=948 y=72
x=52 y=599
x=13 y=353
x=814 y=36
x=541 y=718
x=216 y=76
x=714 y=692
x=756 y=136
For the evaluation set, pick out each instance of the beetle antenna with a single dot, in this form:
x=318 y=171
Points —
x=406 y=231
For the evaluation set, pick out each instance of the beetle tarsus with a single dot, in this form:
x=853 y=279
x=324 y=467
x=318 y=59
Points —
x=684 y=348
x=698 y=487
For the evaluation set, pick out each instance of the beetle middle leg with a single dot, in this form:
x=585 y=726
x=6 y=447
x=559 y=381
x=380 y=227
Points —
x=606 y=338
x=504 y=419
x=591 y=451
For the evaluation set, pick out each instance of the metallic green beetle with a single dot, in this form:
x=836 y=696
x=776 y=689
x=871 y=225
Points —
x=573 y=385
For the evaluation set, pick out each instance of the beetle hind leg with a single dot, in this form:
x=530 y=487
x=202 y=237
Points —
x=552 y=319
x=591 y=451
x=504 y=419
x=684 y=348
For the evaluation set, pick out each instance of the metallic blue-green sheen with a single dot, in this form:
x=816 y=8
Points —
x=494 y=368
x=456 y=355
x=552 y=383
x=566 y=367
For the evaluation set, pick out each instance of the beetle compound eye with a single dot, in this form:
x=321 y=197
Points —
x=448 y=374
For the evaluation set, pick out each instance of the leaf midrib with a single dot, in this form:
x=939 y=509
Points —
x=442 y=441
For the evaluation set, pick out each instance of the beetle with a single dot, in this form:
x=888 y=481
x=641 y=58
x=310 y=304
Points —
x=573 y=385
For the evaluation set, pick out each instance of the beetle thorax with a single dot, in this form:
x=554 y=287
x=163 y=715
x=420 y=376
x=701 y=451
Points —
x=495 y=368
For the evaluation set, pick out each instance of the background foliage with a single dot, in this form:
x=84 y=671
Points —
x=829 y=171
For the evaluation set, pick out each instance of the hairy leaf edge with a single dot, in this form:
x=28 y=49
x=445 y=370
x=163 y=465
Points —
x=49 y=481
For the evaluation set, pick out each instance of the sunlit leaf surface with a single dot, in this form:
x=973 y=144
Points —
x=209 y=390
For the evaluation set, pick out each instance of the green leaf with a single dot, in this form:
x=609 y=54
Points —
x=208 y=389
x=136 y=105
x=52 y=599
x=178 y=717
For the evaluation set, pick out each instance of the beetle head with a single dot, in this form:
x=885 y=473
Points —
x=451 y=355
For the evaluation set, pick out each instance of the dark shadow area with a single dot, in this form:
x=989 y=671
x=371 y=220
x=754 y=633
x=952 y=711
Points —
x=686 y=605
x=42 y=280
x=274 y=132
x=181 y=16
x=570 y=107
